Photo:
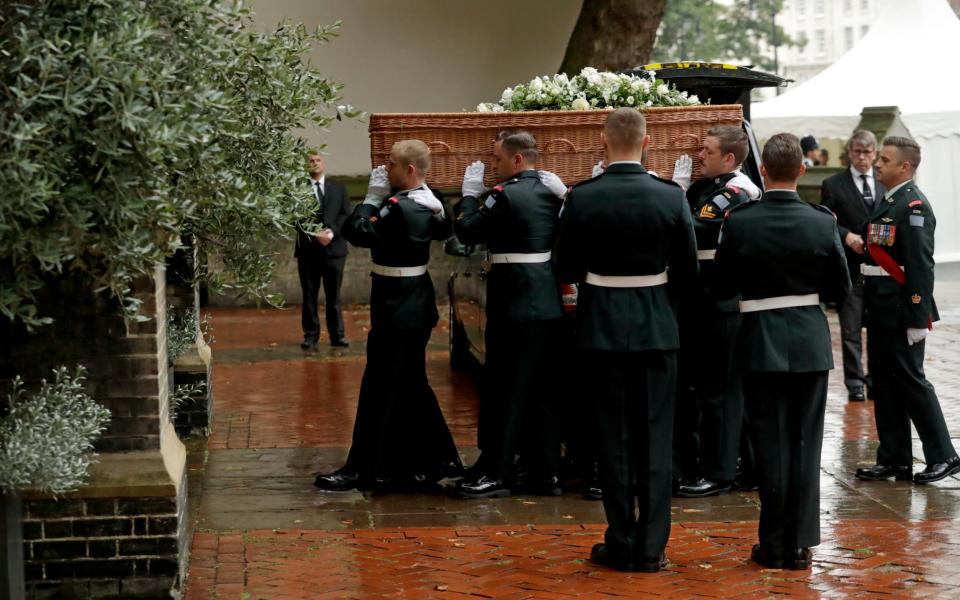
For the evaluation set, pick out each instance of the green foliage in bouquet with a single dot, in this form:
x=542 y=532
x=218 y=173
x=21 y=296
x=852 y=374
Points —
x=591 y=89
x=126 y=124
x=46 y=439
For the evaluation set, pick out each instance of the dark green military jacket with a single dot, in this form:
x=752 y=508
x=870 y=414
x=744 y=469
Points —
x=782 y=246
x=520 y=219
x=627 y=222
x=398 y=235
x=709 y=200
x=902 y=225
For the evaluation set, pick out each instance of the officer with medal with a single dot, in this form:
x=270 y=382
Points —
x=517 y=220
x=783 y=257
x=709 y=413
x=899 y=311
x=620 y=232
x=400 y=438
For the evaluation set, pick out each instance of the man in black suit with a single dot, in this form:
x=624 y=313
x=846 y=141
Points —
x=783 y=256
x=619 y=234
x=852 y=195
x=321 y=253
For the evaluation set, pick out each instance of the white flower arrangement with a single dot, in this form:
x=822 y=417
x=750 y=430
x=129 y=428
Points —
x=591 y=89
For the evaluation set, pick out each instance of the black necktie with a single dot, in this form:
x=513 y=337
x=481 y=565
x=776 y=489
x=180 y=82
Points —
x=867 y=194
x=319 y=191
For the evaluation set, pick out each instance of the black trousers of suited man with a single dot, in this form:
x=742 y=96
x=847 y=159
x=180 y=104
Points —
x=316 y=271
x=785 y=415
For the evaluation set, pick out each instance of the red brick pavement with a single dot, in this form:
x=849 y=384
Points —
x=868 y=559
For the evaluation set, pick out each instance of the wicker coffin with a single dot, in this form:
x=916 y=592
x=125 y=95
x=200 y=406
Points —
x=569 y=141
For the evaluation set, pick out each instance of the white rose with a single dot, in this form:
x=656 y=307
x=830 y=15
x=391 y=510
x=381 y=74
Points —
x=630 y=100
x=580 y=104
x=694 y=99
x=483 y=107
x=536 y=84
x=497 y=108
x=662 y=89
x=507 y=95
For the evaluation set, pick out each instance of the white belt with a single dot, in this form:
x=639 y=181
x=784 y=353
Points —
x=520 y=257
x=874 y=271
x=706 y=254
x=779 y=302
x=627 y=281
x=398 y=271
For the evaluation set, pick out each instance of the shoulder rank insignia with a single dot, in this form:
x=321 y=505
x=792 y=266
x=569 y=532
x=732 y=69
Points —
x=882 y=235
x=913 y=203
x=915 y=298
x=707 y=212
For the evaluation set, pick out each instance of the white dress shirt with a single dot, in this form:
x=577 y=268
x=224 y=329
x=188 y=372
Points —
x=859 y=182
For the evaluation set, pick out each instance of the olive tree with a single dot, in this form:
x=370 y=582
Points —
x=127 y=124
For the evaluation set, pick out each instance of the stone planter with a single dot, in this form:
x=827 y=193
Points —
x=11 y=552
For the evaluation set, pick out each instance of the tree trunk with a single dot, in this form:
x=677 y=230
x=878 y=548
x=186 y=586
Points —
x=613 y=34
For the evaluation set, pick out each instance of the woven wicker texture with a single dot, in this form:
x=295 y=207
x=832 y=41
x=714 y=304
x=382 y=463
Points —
x=569 y=141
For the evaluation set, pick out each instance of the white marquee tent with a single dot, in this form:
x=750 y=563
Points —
x=909 y=60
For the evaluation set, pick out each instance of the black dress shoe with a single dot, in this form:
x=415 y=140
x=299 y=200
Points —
x=599 y=555
x=593 y=491
x=539 y=486
x=651 y=566
x=482 y=487
x=308 y=344
x=338 y=481
x=938 y=471
x=701 y=488
x=341 y=343
x=856 y=394
x=764 y=558
x=745 y=483
x=799 y=560
x=881 y=472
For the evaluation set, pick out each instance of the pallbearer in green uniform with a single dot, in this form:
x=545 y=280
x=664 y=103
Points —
x=517 y=220
x=400 y=438
x=783 y=256
x=620 y=233
x=899 y=310
x=709 y=413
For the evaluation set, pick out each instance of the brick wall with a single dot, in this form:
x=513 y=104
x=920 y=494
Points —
x=123 y=534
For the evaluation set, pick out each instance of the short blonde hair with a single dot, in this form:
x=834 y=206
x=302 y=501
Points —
x=625 y=128
x=413 y=152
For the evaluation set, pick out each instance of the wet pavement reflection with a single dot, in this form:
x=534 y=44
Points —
x=283 y=414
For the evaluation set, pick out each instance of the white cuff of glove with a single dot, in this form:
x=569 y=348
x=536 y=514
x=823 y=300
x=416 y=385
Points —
x=916 y=335
x=373 y=199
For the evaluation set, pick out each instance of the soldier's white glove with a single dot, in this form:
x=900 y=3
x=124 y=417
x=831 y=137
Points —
x=473 y=180
x=683 y=171
x=379 y=186
x=597 y=169
x=424 y=197
x=916 y=335
x=746 y=184
x=553 y=183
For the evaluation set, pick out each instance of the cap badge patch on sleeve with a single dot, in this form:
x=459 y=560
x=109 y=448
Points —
x=915 y=298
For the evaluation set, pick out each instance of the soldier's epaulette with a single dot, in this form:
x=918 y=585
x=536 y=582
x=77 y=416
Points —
x=511 y=181
x=586 y=181
x=740 y=206
x=823 y=208
x=670 y=181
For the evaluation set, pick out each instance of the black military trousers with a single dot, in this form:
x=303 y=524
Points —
x=517 y=410
x=633 y=398
x=317 y=271
x=785 y=414
x=902 y=394
x=399 y=430
x=851 y=335
x=709 y=413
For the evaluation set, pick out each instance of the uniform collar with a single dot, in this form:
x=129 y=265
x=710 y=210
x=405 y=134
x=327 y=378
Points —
x=896 y=189
x=780 y=194
x=625 y=166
